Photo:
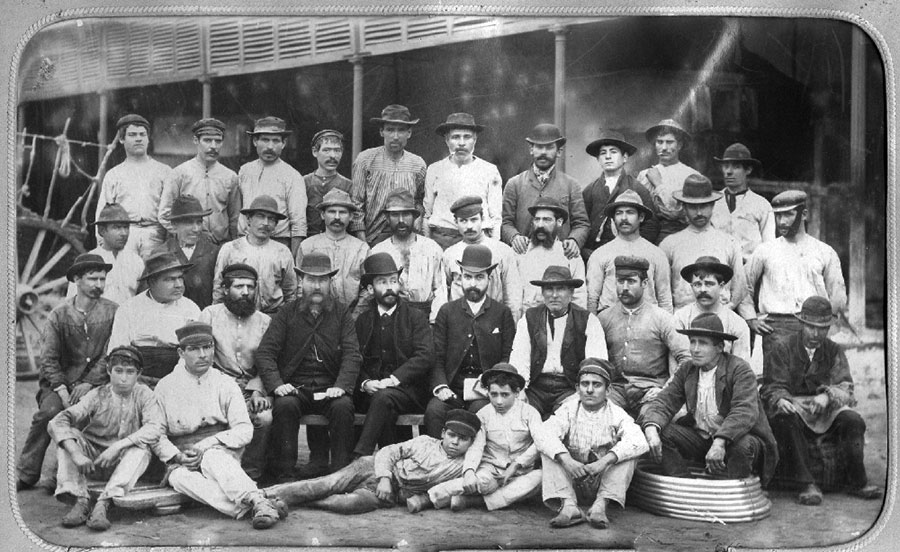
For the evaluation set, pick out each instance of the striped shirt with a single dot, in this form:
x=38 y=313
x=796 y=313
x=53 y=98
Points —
x=216 y=187
x=284 y=184
x=375 y=176
x=608 y=429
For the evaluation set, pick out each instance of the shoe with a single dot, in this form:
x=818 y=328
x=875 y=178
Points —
x=567 y=517
x=265 y=514
x=597 y=518
x=280 y=507
x=811 y=496
x=417 y=503
x=22 y=485
x=869 y=492
x=79 y=513
x=98 y=520
x=461 y=502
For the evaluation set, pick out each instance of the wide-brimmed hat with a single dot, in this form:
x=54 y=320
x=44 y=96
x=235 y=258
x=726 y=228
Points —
x=467 y=206
x=270 y=125
x=463 y=422
x=707 y=324
x=458 y=120
x=737 y=153
x=163 y=262
x=545 y=202
x=476 y=258
x=208 y=126
x=266 y=204
x=597 y=366
x=395 y=113
x=610 y=138
x=669 y=125
x=789 y=199
x=632 y=263
x=132 y=119
x=187 y=206
x=378 y=264
x=697 y=189
x=129 y=352
x=546 y=133
x=86 y=262
x=194 y=333
x=503 y=368
x=816 y=311
x=710 y=263
x=558 y=275
x=316 y=264
x=323 y=133
x=400 y=201
x=337 y=197
x=628 y=198
x=239 y=270
x=112 y=213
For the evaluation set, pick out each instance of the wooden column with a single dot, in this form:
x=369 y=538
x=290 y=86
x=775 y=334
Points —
x=856 y=297
x=102 y=128
x=206 y=83
x=357 y=62
x=559 y=84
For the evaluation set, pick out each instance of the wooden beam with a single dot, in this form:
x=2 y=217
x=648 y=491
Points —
x=856 y=297
x=559 y=85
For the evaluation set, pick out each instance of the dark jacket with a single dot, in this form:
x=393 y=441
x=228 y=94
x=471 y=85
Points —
x=574 y=338
x=293 y=330
x=412 y=346
x=597 y=196
x=454 y=329
x=736 y=396
x=198 y=281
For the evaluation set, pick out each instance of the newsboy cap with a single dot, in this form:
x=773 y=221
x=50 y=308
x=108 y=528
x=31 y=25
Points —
x=194 y=333
x=463 y=422
x=208 y=126
x=632 y=263
x=132 y=119
x=466 y=207
x=789 y=199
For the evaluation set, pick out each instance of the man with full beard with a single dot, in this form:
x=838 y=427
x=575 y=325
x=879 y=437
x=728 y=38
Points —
x=237 y=329
x=788 y=270
x=545 y=249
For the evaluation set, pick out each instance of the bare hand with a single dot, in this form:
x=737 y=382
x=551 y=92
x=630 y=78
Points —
x=258 y=403
x=63 y=395
x=470 y=482
x=786 y=406
x=574 y=468
x=520 y=244
x=760 y=327
x=79 y=391
x=372 y=386
x=654 y=176
x=334 y=392
x=284 y=390
x=652 y=435
x=715 y=458
x=384 y=491
x=598 y=467
x=83 y=463
x=190 y=459
x=570 y=247
x=108 y=457
x=444 y=394
x=388 y=382
x=819 y=404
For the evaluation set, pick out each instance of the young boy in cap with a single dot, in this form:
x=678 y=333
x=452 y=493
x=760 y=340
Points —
x=402 y=472
x=108 y=434
x=328 y=149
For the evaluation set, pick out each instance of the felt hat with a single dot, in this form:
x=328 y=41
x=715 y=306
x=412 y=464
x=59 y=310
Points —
x=337 y=197
x=194 y=333
x=111 y=213
x=546 y=202
x=789 y=199
x=86 y=262
x=458 y=120
x=208 y=126
x=476 y=258
x=239 y=270
x=127 y=351
x=737 y=153
x=187 y=206
x=558 y=275
x=816 y=311
x=400 y=201
x=596 y=366
x=697 y=189
x=503 y=368
x=624 y=263
x=270 y=125
x=670 y=125
x=395 y=113
x=325 y=133
x=544 y=134
x=316 y=264
x=132 y=119
x=610 y=138
x=162 y=262
x=266 y=204
x=467 y=206
x=463 y=422
x=707 y=324
x=378 y=264
x=710 y=263
x=628 y=198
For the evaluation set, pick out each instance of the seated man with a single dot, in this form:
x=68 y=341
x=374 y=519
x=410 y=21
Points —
x=551 y=339
x=403 y=471
x=725 y=425
x=206 y=429
x=601 y=447
x=108 y=433
x=808 y=392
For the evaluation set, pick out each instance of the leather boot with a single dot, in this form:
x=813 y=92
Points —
x=78 y=514
x=98 y=520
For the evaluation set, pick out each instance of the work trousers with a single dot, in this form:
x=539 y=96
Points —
x=254 y=459
x=121 y=478
x=683 y=445
x=286 y=413
x=38 y=439
x=629 y=397
x=350 y=490
x=520 y=486
x=436 y=412
x=557 y=485
x=382 y=409
x=220 y=482
x=547 y=392
x=783 y=326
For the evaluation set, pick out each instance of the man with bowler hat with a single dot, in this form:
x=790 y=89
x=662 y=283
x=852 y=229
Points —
x=328 y=149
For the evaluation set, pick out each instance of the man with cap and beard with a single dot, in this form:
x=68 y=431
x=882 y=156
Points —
x=237 y=329
x=73 y=357
x=212 y=183
x=270 y=175
x=137 y=185
x=328 y=149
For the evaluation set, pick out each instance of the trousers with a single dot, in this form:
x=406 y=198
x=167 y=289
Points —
x=350 y=490
x=120 y=479
x=557 y=485
x=682 y=445
x=32 y=457
x=286 y=413
x=220 y=482
x=518 y=487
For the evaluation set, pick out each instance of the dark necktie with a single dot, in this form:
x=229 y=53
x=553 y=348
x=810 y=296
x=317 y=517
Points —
x=730 y=199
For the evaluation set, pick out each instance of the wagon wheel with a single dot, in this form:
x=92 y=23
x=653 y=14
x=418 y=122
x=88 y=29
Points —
x=45 y=248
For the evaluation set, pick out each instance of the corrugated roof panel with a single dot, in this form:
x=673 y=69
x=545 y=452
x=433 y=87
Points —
x=224 y=44
x=259 y=42
x=378 y=31
x=187 y=47
x=294 y=40
x=332 y=35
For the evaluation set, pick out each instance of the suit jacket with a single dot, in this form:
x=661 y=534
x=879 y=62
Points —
x=597 y=196
x=736 y=396
x=412 y=346
x=454 y=328
x=524 y=189
x=198 y=281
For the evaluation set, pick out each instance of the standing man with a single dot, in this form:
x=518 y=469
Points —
x=543 y=179
x=460 y=174
x=628 y=213
x=379 y=171
x=788 y=270
x=73 y=357
x=742 y=213
x=271 y=260
x=192 y=246
x=612 y=152
x=270 y=175
x=700 y=238
x=213 y=184
x=137 y=185
x=328 y=149
x=667 y=177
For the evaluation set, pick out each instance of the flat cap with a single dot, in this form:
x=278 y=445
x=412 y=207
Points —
x=132 y=119
x=463 y=422
x=239 y=270
x=208 y=126
x=630 y=262
x=129 y=352
x=194 y=333
x=466 y=207
x=789 y=199
x=596 y=366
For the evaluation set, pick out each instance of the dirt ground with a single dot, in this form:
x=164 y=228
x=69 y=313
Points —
x=839 y=520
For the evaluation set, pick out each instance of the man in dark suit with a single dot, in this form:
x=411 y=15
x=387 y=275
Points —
x=192 y=245
x=471 y=335
x=725 y=425
x=395 y=342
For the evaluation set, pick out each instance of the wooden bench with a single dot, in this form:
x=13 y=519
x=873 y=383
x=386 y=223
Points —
x=412 y=420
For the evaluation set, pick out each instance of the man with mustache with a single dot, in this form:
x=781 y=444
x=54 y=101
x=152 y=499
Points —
x=666 y=177
x=628 y=212
x=270 y=175
x=457 y=175
x=212 y=183
x=544 y=179
x=395 y=342
x=701 y=238
x=328 y=149
x=545 y=249
x=272 y=260
x=786 y=271
x=73 y=357
x=237 y=329
x=708 y=277
x=641 y=337
x=379 y=171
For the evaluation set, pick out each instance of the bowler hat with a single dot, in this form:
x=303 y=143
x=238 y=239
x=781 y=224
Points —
x=337 y=197
x=316 y=264
x=544 y=134
x=610 y=138
x=545 y=202
x=737 y=153
x=463 y=422
x=628 y=198
x=476 y=258
x=162 y=262
x=707 y=324
x=378 y=264
x=395 y=114
x=670 y=125
x=208 y=126
x=789 y=199
x=187 y=206
x=631 y=262
x=816 y=311
x=502 y=368
x=194 y=333
x=400 y=201
x=86 y=262
x=467 y=206
x=697 y=190
x=458 y=120
x=266 y=204
x=127 y=351
x=558 y=275
x=597 y=366
x=239 y=270
x=270 y=125
x=132 y=119
x=710 y=263
x=112 y=213
x=325 y=133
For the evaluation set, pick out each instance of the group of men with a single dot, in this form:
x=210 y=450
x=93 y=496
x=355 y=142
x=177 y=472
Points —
x=549 y=334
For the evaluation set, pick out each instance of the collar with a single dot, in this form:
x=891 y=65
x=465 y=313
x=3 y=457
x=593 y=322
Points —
x=633 y=311
x=729 y=192
x=475 y=307
x=382 y=311
x=542 y=174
